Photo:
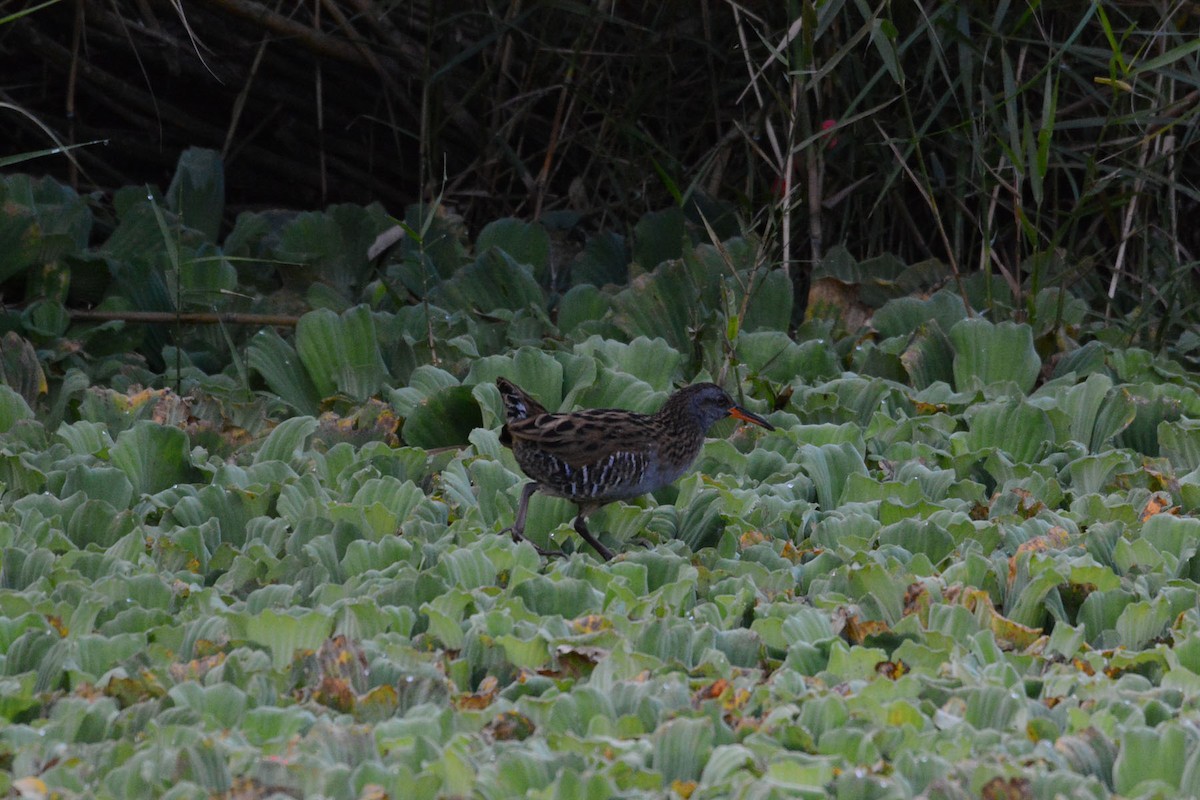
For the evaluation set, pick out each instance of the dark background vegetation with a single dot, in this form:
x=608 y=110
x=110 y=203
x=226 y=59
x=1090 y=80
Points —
x=1039 y=143
x=516 y=107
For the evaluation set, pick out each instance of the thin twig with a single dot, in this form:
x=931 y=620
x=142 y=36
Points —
x=239 y=103
x=72 y=84
x=933 y=208
x=317 y=41
x=185 y=317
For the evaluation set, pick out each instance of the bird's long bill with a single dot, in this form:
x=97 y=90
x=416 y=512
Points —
x=737 y=412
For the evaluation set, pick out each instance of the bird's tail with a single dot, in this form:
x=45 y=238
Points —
x=517 y=403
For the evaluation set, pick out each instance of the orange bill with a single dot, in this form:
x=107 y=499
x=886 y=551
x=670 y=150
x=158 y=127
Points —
x=737 y=412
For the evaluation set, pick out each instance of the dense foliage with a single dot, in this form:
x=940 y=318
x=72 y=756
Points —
x=252 y=490
x=1043 y=143
x=244 y=564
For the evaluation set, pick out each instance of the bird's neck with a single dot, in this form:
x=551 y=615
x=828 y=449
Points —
x=675 y=420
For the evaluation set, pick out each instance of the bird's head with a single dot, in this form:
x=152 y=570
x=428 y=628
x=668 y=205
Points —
x=707 y=403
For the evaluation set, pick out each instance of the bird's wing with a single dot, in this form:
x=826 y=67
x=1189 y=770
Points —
x=585 y=437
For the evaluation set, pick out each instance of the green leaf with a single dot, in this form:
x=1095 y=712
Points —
x=1150 y=756
x=1015 y=427
x=991 y=707
x=528 y=654
x=1156 y=64
x=618 y=390
x=836 y=528
x=1092 y=474
x=99 y=654
x=97 y=522
x=1178 y=536
x=153 y=456
x=929 y=357
x=987 y=353
x=85 y=438
x=699 y=523
x=444 y=614
x=1097 y=411
x=1082 y=361
x=681 y=748
x=20 y=369
x=100 y=483
x=830 y=467
x=444 y=419
x=663 y=304
x=901 y=316
x=424 y=382
x=341 y=353
x=527 y=243
x=229 y=507
x=915 y=537
x=269 y=724
x=287 y=441
x=776 y=357
x=658 y=237
x=650 y=360
x=467 y=569
x=400 y=497
x=495 y=281
x=1141 y=622
x=883 y=37
x=604 y=260
x=1100 y=611
x=852 y=663
x=43 y=221
x=282 y=633
x=1180 y=443
x=332 y=245
x=770 y=306
x=223 y=703
x=566 y=597
x=46 y=319
x=581 y=304
x=1035 y=578
x=13 y=409
x=281 y=367
x=197 y=191
x=206 y=279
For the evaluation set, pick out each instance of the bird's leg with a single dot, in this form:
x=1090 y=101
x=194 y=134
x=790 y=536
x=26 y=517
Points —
x=581 y=529
x=517 y=529
x=518 y=526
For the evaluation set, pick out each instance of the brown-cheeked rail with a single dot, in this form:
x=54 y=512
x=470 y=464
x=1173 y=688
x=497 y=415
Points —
x=597 y=455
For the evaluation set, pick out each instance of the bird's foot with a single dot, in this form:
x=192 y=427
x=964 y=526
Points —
x=519 y=537
x=582 y=530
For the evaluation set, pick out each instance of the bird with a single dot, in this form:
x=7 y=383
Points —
x=595 y=456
